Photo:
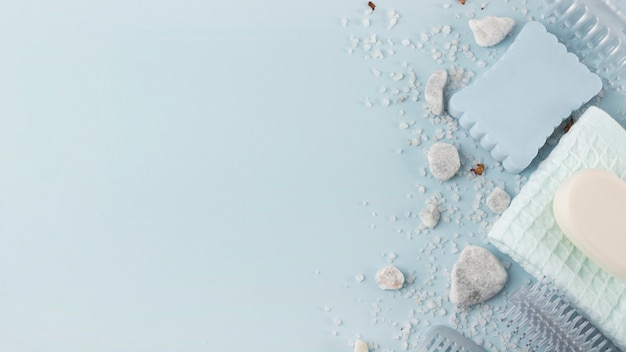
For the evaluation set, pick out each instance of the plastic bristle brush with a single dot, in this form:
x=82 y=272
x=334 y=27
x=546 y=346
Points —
x=593 y=30
x=543 y=320
x=444 y=339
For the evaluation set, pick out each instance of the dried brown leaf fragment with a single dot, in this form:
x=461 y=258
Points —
x=568 y=125
x=478 y=170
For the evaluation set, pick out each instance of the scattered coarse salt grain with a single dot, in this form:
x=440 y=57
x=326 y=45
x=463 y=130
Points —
x=430 y=215
x=389 y=278
x=393 y=19
x=498 y=200
x=361 y=346
x=397 y=76
x=443 y=160
x=434 y=91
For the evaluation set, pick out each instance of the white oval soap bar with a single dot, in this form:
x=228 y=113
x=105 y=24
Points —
x=590 y=209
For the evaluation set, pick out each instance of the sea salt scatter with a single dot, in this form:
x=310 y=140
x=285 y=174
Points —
x=491 y=30
x=498 y=200
x=434 y=91
x=389 y=278
x=476 y=277
x=430 y=215
x=443 y=160
x=360 y=346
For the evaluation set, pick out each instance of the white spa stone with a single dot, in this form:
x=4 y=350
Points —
x=434 y=91
x=389 y=278
x=443 y=160
x=498 y=200
x=430 y=215
x=491 y=30
x=477 y=276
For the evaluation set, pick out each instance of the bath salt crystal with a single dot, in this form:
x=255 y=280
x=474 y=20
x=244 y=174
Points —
x=366 y=22
x=434 y=91
x=498 y=200
x=393 y=19
x=361 y=346
x=397 y=76
x=376 y=72
x=430 y=215
x=424 y=37
x=443 y=160
x=337 y=321
x=446 y=30
x=406 y=42
x=389 y=278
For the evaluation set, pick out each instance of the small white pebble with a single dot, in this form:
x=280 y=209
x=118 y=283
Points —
x=498 y=200
x=389 y=278
x=491 y=30
x=443 y=160
x=434 y=91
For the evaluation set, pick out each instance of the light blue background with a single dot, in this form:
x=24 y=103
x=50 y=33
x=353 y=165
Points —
x=190 y=175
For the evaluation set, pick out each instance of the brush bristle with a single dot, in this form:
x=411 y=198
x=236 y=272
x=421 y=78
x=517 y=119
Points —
x=545 y=321
x=594 y=35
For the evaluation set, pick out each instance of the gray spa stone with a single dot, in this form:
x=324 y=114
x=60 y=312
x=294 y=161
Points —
x=476 y=277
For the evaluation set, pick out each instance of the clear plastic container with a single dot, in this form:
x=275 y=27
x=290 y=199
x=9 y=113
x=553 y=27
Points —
x=594 y=30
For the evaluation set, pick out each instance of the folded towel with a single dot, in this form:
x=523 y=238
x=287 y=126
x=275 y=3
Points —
x=529 y=234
